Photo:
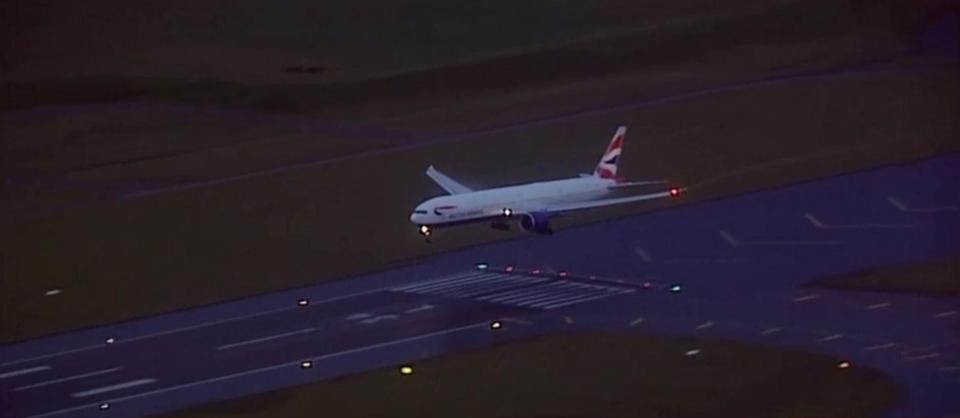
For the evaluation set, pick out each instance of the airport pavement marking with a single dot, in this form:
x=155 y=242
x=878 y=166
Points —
x=902 y=207
x=771 y=331
x=805 y=298
x=259 y=370
x=265 y=339
x=424 y=307
x=648 y=258
x=66 y=379
x=637 y=321
x=876 y=306
x=830 y=338
x=820 y=225
x=193 y=327
x=705 y=325
x=878 y=347
x=922 y=356
x=111 y=388
x=21 y=372
x=734 y=242
x=946 y=314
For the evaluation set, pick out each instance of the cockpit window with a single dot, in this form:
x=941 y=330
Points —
x=422 y=212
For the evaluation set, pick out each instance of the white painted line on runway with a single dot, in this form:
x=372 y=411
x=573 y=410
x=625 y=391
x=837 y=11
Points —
x=490 y=288
x=290 y=364
x=922 y=357
x=521 y=294
x=771 y=331
x=831 y=337
x=636 y=322
x=265 y=339
x=704 y=325
x=879 y=347
x=111 y=388
x=945 y=314
x=819 y=224
x=23 y=371
x=455 y=283
x=902 y=207
x=572 y=302
x=805 y=298
x=878 y=306
x=549 y=299
x=58 y=353
x=446 y=279
x=66 y=379
x=734 y=242
x=425 y=307
x=645 y=256
x=52 y=292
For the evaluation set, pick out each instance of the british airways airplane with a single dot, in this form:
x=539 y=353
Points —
x=532 y=204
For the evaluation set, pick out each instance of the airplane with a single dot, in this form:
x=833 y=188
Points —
x=532 y=204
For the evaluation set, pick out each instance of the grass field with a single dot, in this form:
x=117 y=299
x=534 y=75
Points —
x=589 y=375
x=937 y=278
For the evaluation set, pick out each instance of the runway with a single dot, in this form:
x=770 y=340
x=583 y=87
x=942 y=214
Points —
x=740 y=264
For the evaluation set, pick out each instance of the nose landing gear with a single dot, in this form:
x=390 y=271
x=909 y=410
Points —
x=426 y=231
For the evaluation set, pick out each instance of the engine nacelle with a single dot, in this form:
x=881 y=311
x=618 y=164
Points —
x=535 y=222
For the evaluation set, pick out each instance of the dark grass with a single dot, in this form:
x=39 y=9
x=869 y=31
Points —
x=935 y=278
x=589 y=375
x=609 y=51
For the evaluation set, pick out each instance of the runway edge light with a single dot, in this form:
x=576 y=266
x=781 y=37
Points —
x=406 y=370
x=303 y=302
x=482 y=266
x=495 y=325
x=104 y=406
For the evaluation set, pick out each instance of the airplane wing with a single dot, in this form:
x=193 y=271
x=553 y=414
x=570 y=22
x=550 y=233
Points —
x=570 y=207
x=447 y=183
x=637 y=183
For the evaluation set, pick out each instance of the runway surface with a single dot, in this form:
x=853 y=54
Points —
x=740 y=262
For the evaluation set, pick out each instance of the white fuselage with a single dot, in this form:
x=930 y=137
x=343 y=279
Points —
x=523 y=198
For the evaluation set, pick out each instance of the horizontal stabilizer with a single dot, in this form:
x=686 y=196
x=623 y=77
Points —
x=447 y=183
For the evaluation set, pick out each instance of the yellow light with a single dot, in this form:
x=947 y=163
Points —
x=406 y=370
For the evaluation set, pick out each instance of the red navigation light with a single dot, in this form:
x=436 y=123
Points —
x=535 y=271
x=508 y=269
x=674 y=191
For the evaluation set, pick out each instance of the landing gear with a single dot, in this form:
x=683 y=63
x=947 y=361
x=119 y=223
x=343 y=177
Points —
x=426 y=231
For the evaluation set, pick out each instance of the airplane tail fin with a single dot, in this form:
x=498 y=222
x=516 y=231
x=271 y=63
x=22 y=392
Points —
x=607 y=167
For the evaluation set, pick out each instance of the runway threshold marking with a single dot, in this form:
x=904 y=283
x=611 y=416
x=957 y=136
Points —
x=291 y=364
x=734 y=242
x=24 y=371
x=879 y=347
x=771 y=331
x=66 y=379
x=831 y=337
x=902 y=207
x=111 y=388
x=267 y=338
x=821 y=225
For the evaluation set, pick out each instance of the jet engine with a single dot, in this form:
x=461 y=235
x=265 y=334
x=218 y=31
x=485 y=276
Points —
x=535 y=222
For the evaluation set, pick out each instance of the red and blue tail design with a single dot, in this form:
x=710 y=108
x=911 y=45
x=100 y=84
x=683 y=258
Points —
x=607 y=168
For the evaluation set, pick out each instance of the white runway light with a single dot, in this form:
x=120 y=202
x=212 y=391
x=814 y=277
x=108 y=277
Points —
x=306 y=364
x=303 y=302
x=110 y=340
x=104 y=406
x=52 y=292
x=693 y=352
